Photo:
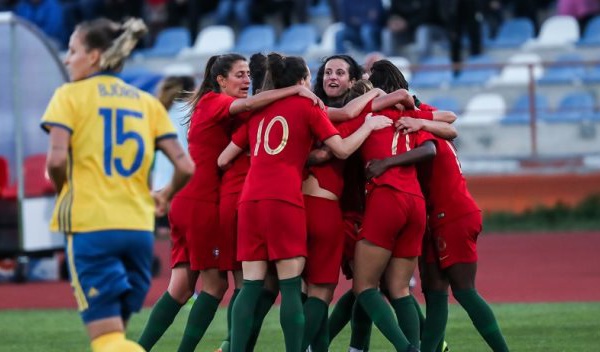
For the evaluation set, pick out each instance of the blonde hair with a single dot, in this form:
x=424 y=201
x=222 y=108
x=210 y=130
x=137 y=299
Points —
x=359 y=88
x=173 y=88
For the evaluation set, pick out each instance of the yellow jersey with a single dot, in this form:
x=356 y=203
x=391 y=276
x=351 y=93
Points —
x=114 y=129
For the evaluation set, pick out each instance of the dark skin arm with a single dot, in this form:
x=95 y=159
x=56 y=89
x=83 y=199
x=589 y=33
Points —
x=423 y=152
x=319 y=156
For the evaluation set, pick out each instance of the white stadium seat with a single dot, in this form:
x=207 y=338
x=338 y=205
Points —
x=483 y=109
x=515 y=72
x=327 y=45
x=556 y=31
x=211 y=40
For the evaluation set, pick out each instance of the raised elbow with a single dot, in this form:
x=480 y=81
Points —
x=341 y=154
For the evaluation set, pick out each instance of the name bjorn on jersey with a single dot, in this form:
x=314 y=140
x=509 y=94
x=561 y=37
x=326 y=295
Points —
x=117 y=90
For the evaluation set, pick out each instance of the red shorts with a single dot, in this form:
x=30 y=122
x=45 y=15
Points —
x=270 y=230
x=228 y=218
x=194 y=233
x=455 y=242
x=352 y=227
x=325 y=240
x=395 y=221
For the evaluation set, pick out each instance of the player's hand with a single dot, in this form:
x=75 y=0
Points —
x=307 y=93
x=374 y=168
x=161 y=203
x=409 y=125
x=377 y=122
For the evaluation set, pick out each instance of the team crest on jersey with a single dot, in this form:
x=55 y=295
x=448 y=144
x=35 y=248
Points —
x=215 y=252
x=441 y=244
x=441 y=215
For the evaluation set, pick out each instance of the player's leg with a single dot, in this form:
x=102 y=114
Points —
x=291 y=310
x=398 y=275
x=265 y=302
x=238 y=280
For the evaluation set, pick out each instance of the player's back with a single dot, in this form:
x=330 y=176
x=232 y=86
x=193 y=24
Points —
x=114 y=128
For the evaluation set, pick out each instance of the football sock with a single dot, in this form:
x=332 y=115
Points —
x=225 y=344
x=292 y=313
x=420 y=313
x=321 y=342
x=408 y=318
x=341 y=314
x=201 y=315
x=379 y=311
x=265 y=302
x=242 y=317
x=482 y=317
x=314 y=311
x=101 y=342
x=435 y=323
x=164 y=312
x=360 y=328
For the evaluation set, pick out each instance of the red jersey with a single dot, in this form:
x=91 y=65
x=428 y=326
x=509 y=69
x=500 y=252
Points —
x=388 y=142
x=233 y=179
x=280 y=138
x=209 y=132
x=444 y=186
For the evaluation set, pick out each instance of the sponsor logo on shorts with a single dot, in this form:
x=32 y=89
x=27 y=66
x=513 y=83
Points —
x=93 y=292
x=215 y=252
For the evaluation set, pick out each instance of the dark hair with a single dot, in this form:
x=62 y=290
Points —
x=258 y=71
x=386 y=76
x=217 y=65
x=284 y=71
x=114 y=40
x=359 y=88
x=174 y=87
x=354 y=71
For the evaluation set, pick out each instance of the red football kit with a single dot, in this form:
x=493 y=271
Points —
x=395 y=210
x=454 y=217
x=272 y=222
x=194 y=211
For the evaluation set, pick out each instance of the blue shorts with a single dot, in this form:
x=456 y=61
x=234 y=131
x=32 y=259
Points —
x=110 y=271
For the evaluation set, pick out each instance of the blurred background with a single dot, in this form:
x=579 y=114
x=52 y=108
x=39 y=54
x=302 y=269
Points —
x=522 y=75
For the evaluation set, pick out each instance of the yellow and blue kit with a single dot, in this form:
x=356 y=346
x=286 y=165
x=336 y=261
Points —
x=105 y=208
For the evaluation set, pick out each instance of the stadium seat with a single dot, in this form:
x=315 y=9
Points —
x=476 y=75
x=433 y=76
x=147 y=83
x=179 y=69
x=169 y=43
x=591 y=36
x=403 y=65
x=211 y=40
x=255 y=38
x=592 y=75
x=445 y=103
x=326 y=46
x=296 y=39
x=563 y=72
x=36 y=181
x=520 y=114
x=483 y=109
x=574 y=107
x=516 y=71
x=513 y=33
x=556 y=31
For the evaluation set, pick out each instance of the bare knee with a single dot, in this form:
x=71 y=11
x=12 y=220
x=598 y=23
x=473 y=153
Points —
x=324 y=292
x=214 y=282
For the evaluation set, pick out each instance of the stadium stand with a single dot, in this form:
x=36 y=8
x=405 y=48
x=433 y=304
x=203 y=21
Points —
x=254 y=39
x=516 y=72
x=556 y=31
x=169 y=43
x=567 y=69
x=575 y=106
x=296 y=39
x=211 y=40
x=513 y=33
x=433 y=76
x=483 y=109
x=477 y=75
x=591 y=35
x=520 y=113
x=37 y=183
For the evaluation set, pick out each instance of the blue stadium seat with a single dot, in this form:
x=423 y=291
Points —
x=519 y=114
x=475 y=75
x=141 y=78
x=169 y=42
x=591 y=36
x=563 y=73
x=433 y=77
x=574 y=107
x=592 y=75
x=445 y=103
x=255 y=38
x=296 y=39
x=513 y=33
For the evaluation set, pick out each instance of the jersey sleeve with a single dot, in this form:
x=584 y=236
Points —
x=423 y=136
x=217 y=105
x=60 y=112
x=162 y=125
x=346 y=128
x=418 y=114
x=320 y=125
x=240 y=136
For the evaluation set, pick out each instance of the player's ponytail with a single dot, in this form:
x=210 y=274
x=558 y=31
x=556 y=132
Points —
x=258 y=71
x=284 y=71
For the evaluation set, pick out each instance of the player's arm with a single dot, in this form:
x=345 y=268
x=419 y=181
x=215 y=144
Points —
x=228 y=156
x=343 y=148
x=441 y=129
x=444 y=116
x=399 y=97
x=184 y=169
x=423 y=152
x=267 y=97
x=56 y=160
x=354 y=107
x=319 y=156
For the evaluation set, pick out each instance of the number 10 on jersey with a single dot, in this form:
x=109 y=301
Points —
x=119 y=138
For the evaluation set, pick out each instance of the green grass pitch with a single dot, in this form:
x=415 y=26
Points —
x=528 y=327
